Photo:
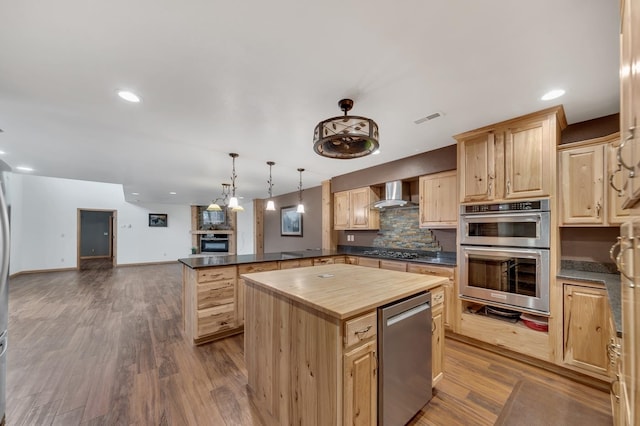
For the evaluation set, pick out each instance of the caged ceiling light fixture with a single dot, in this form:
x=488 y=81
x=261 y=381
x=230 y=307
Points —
x=300 y=208
x=233 y=202
x=347 y=136
x=270 y=204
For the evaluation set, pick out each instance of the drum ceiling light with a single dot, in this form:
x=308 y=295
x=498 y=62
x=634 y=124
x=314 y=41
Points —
x=346 y=136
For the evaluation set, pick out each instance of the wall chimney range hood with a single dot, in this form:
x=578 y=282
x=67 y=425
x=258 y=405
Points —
x=395 y=195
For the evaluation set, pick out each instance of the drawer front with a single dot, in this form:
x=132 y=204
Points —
x=323 y=261
x=216 y=274
x=431 y=270
x=393 y=265
x=257 y=267
x=213 y=320
x=437 y=297
x=359 y=329
x=368 y=262
x=339 y=259
x=215 y=293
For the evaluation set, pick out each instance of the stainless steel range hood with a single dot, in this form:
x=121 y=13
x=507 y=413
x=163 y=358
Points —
x=396 y=194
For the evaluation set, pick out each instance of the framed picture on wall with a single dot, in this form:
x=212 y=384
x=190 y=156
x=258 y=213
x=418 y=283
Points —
x=290 y=222
x=158 y=220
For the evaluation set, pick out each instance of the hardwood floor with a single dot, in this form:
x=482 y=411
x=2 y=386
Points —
x=105 y=347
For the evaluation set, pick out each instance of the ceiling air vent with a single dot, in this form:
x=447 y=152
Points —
x=428 y=117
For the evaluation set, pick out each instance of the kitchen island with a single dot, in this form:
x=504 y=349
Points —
x=310 y=339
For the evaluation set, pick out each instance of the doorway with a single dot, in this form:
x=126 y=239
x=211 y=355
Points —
x=96 y=239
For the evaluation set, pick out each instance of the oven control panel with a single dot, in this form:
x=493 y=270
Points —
x=516 y=206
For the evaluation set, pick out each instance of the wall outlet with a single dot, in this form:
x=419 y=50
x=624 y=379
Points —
x=350 y=237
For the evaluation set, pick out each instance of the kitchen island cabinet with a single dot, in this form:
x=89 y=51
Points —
x=310 y=340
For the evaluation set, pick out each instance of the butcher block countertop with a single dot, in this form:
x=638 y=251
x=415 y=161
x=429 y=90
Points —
x=343 y=291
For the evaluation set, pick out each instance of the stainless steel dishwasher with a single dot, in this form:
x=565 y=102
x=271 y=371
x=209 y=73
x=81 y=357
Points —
x=404 y=351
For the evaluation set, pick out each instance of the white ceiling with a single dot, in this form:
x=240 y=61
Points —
x=255 y=77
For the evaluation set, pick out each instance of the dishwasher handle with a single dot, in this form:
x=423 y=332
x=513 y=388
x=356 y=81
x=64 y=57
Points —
x=408 y=313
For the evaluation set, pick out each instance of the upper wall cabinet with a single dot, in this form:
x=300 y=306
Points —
x=514 y=159
x=591 y=185
x=352 y=209
x=438 y=201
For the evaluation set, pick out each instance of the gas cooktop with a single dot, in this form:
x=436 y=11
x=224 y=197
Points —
x=392 y=254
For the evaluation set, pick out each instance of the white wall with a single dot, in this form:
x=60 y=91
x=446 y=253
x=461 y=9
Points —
x=244 y=229
x=44 y=223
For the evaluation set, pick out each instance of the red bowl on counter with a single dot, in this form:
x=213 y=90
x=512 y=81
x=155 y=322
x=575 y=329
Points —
x=535 y=322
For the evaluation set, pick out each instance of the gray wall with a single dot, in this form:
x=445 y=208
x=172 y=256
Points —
x=94 y=225
x=311 y=223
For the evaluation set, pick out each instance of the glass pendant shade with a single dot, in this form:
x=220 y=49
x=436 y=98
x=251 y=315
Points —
x=214 y=207
x=300 y=208
x=271 y=206
x=233 y=203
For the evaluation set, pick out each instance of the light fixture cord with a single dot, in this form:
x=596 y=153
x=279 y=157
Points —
x=270 y=182
x=300 y=186
x=233 y=176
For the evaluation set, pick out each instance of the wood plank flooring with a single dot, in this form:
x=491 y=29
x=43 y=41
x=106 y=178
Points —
x=105 y=347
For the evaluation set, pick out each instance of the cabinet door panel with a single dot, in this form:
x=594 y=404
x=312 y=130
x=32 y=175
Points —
x=477 y=171
x=582 y=185
x=341 y=210
x=527 y=159
x=437 y=342
x=359 y=208
x=586 y=333
x=438 y=203
x=616 y=214
x=360 y=386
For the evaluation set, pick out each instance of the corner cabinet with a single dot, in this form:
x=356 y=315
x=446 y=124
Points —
x=352 y=209
x=591 y=187
x=438 y=204
x=514 y=159
x=586 y=333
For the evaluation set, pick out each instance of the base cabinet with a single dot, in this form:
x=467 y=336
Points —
x=360 y=385
x=450 y=303
x=437 y=337
x=586 y=334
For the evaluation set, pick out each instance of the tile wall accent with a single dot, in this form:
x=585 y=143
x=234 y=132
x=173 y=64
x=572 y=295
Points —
x=399 y=229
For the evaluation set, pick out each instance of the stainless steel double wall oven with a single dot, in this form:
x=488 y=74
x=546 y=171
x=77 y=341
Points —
x=504 y=254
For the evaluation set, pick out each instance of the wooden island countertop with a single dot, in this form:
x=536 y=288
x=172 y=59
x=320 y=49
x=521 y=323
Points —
x=343 y=291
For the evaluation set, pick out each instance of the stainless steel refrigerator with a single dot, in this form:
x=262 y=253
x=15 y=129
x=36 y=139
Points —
x=4 y=288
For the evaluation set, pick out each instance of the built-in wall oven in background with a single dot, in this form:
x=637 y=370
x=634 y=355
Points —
x=504 y=254
x=214 y=243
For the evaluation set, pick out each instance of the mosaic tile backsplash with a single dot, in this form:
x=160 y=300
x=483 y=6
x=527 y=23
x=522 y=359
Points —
x=399 y=228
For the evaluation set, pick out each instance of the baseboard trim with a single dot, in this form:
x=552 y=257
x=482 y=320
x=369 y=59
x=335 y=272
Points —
x=38 y=271
x=125 y=265
x=545 y=365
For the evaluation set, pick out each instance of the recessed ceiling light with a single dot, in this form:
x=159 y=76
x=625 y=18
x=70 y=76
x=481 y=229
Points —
x=24 y=168
x=172 y=193
x=552 y=94
x=135 y=193
x=376 y=152
x=129 y=96
x=2 y=153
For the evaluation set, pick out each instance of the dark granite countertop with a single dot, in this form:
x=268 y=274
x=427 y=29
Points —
x=435 y=258
x=214 y=260
x=612 y=284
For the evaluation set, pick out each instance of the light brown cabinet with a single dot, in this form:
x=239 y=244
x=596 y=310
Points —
x=437 y=336
x=510 y=160
x=248 y=269
x=450 y=304
x=590 y=185
x=360 y=385
x=210 y=303
x=352 y=209
x=438 y=200
x=586 y=333
x=630 y=101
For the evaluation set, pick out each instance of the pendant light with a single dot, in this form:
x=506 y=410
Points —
x=233 y=201
x=348 y=136
x=300 y=208
x=270 y=204
x=214 y=206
